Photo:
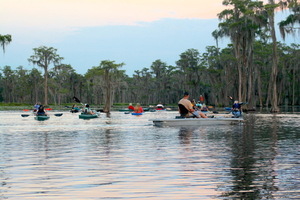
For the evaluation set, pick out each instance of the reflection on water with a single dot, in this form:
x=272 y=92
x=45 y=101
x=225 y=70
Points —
x=126 y=157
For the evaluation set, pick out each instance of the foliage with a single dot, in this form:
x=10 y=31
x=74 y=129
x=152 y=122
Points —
x=212 y=74
x=44 y=57
x=251 y=68
x=5 y=40
x=291 y=24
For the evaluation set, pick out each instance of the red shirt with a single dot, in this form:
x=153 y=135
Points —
x=201 y=98
x=139 y=110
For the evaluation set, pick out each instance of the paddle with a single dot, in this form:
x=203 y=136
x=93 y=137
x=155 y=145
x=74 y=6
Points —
x=25 y=115
x=77 y=100
x=57 y=115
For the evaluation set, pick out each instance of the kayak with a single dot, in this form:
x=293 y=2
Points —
x=160 y=109
x=136 y=113
x=197 y=121
x=41 y=117
x=88 y=116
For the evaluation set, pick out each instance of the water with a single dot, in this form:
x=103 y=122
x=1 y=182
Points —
x=126 y=157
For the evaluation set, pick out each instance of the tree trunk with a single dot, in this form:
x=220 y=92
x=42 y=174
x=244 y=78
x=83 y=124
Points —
x=46 y=86
x=293 y=88
x=274 y=101
x=259 y=88
x=108 y=92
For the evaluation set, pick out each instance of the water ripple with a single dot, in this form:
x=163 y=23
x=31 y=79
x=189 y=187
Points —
x=126 y=157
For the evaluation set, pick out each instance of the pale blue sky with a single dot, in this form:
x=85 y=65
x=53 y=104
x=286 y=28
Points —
x=133 y=32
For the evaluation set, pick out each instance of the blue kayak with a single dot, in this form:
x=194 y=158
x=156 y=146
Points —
x=136 y=113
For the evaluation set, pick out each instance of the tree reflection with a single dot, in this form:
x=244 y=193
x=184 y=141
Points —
x=252 y=164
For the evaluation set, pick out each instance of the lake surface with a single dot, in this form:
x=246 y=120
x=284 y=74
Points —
x=126 y=157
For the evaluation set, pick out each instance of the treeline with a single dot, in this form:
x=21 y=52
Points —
x=213 y=74
x=255 y=68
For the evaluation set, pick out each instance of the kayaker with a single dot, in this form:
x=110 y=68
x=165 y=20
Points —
x=201 y=99
x=199 y=105
x=138 y=108
x=130 y=107
x=41 y=110
x=159 y=106
x=75 y=108
x=194 y=104
x=189 y=106
x=87 y=110
x=236 y=108
x=36 y=107
x=204 y=108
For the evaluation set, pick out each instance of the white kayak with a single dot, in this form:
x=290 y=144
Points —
x=197 y=121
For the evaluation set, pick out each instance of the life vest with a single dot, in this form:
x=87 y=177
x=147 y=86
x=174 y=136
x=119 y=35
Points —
x=236 y=106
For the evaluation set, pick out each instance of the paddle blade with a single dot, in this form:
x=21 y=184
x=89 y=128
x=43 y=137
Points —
x=25 y=110
x=76 y=99
x=48 y=109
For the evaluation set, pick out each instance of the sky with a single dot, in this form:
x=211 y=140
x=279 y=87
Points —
x=85 y=32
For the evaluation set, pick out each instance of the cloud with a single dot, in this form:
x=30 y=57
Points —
x=50 y=14
x=42 y=22
x=136 y=46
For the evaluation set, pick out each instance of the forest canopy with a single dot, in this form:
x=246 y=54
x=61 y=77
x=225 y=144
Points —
x=212 y=73
x=254 y=68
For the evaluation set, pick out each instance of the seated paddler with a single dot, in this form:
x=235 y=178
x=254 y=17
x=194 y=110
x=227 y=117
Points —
x=237 y=109
x=138 y=108
x=186 y=108
x=87 y=110
x=41 y=110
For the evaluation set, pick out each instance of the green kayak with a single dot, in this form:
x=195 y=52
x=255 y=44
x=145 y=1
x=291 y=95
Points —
x=87 y=116
x=41 y=117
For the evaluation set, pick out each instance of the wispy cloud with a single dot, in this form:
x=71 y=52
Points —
x=49 y=14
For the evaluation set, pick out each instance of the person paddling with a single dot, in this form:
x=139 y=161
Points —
x=159 y=107
x=138 y=108
x=236 y=108
x=41 y=110
x=36 y=107
x=130 y=107
x=75 y=108
x=87 y=110
x=189 y=106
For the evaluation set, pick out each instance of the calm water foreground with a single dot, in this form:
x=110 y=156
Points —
x=126 y=157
